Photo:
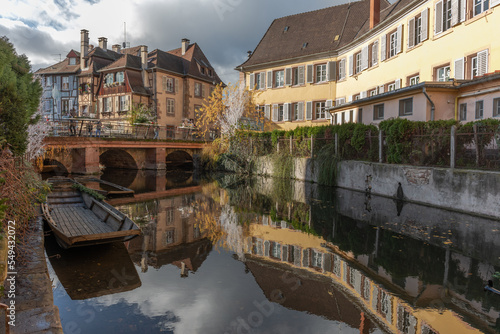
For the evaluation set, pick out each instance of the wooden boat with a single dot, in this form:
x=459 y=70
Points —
x=78 y=219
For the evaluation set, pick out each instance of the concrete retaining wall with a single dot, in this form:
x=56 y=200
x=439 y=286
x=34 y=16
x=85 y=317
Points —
x=470 y=191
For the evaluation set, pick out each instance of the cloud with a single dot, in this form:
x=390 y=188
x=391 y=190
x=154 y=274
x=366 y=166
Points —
x=224 y=29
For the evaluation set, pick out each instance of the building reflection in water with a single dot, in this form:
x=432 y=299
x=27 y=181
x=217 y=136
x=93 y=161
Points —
x=309 y=257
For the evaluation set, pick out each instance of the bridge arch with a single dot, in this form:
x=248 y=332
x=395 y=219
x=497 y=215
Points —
x=54 y=166
x=179 y=160
x=117 y=158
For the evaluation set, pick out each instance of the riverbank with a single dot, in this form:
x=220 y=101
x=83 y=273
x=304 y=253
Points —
x=467 y=191
x=35 y=311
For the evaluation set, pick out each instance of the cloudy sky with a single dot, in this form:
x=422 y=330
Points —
x=46 y=30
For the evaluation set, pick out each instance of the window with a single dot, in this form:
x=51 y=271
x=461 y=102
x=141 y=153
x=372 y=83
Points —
x=391 y=87
x=123 y=103
x=373 y=92
x=279 y=78
x=276 y=250
x=446 y=15
x=373 y=51
x=418 y=30
x=65 y=83
x=357 y=58
x=393 y=44
x=295 y=111
x=210 y=73
x=479 y=109
x=257 y=81
x=320 y=73
x=203 y=70
x=443 y=73
x=72 y=61
x=298 y=76
x=496 y=107
x=120 y=77
x=481 y=6
x=197 y=89
x=108 y=79
x=64 y=107
x=280 y=112
x=406 y=107
x=169 y=84
x=414 y=80
x=473 y=67
x=107 y=104
x=48 y=81
x=378 y=112
x=170 y=107
x=463 y=112
x=317 y=259
x=169 y=237
x=342 y=69
x=319 y=110
x=360 y=115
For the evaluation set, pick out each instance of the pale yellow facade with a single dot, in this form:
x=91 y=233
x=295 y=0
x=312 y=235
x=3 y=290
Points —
x=466 y=49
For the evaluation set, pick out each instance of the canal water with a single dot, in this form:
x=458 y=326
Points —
x=231 y=255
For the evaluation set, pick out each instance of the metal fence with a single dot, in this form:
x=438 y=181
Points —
x=480 y=150
x=108 y=129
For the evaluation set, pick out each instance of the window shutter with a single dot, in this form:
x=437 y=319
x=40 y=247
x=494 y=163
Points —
x=399 y=46
x=164 y=83
x=203 y=92
x=375 y=53
x=275 y=112
x=262 y=80
x=331 y=69
x=397 y=83
x=459 y=68
x=288 y=76
x=309 y=110
x=100 y=104
x=411 y=33
x=438 y=18
x=493 y=4
x=269 y=79
x=383 y=51
x=363 y=94
x=381 y=89
x=176 y=85
x=117 y=103
x=300 y=117
x=301 y=75
x=364 y=58
x=267 y=111
x=328 y=105
x=455 y=10
x=310 y=74
x=349 y=98
x=482 y=62
x=286 y=110
x=252 y=82
x=351 y=65
x=425 y=24
x=463 y=8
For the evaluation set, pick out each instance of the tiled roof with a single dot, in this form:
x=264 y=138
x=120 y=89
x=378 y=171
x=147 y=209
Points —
x=59 y=68
x=314 y=32
x=168 y=62
x=125 y=61
x=195 y=56
x=136 y=83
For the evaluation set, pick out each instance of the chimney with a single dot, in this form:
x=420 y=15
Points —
x=117 y=48
x=185 y=45
x=103 y=43
x=374 y=13
x=144 y=65
x=84 y=47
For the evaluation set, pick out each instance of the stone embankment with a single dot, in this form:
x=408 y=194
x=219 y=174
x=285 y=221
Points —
x=35 y=311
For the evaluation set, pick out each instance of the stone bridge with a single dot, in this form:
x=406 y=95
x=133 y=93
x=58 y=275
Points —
x=83 y=155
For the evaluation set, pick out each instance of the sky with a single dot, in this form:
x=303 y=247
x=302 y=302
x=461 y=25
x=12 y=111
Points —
x=46 y=30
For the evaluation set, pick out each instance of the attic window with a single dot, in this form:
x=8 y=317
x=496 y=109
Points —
x=304 y=45
x=286 y=29
x=72 y=61
x=202 y=70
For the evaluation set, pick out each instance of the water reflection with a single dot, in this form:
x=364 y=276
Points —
x=257 y=256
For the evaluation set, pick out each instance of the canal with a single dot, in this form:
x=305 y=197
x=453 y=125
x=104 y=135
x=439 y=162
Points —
x=231 y=255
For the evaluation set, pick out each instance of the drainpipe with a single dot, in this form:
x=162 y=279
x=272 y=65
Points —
x=433 y=107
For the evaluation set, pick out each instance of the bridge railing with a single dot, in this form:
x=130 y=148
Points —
x=90 y=128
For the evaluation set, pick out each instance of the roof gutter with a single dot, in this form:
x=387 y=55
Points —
x=433 y=107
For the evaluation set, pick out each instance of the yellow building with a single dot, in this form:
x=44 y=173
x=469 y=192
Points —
x=370 y=60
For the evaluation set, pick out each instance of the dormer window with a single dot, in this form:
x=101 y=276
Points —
x=120 y=77
x=304 y=45
x=286 y=29
x=108 y=79
x=72 y=61
x=202 y=70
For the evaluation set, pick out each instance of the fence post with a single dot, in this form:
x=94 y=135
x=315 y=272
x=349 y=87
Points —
x=476 y=144
x=312 y=146
x=380 y=145
x=453 y=146
x=278 y=145
x=336 y=144
x=251 y=145
x=291 y=145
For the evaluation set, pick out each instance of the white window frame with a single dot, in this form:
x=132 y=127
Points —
x=462 y=113
x=170 y=107
x=48 y=81
x=124 y=103
x=393 y=44
x=447 y=14
x=279 y=79
x=320 y=73
x=281 y=111
x=480 y=6
x=443 y=73
x=319 y=110
x=391 y=87
x=357 y=68
x=479 y=109
x=109 y=79
x=496 y=107
x=120 y=77
x=295 y=111
x=414 y=80
x=197 y=89
x=474 y=68
x=65 y=83
x=170 y=86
